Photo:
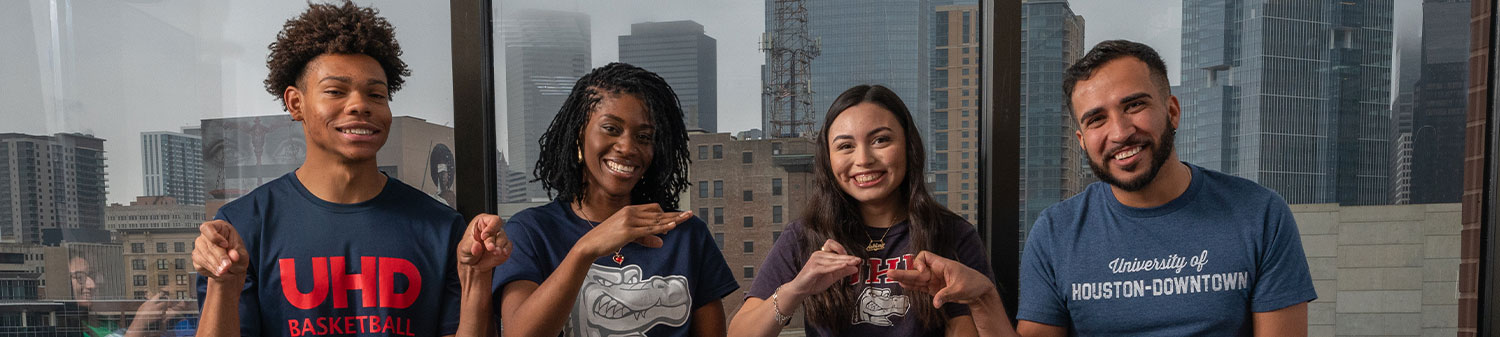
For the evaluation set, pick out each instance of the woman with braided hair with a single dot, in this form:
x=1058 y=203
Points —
x=610 y=255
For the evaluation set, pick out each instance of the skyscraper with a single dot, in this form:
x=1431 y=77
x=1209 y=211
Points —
x=1408 y=68
x=686 y=58
x=955 y=110
x=1052 y=165
x=50 y=182
x=1438 y=115
x=172 y=165
x=884 y=42
x=545 y=53
x=1293 y=95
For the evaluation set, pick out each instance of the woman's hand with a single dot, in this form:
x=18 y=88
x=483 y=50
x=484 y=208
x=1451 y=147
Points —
x=824 y=267
x=635 y=223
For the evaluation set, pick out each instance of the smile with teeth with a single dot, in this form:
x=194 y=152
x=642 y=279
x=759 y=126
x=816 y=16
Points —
x=1127 y=153
x=617 y=167
x=868 y=177
x=361 y=132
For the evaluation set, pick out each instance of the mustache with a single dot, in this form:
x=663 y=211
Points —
x=1134 y=140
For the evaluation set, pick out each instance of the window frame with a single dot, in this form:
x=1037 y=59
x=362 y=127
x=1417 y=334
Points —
x=999 y=112
x=999 y=173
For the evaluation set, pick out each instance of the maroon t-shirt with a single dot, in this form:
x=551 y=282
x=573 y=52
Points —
x=884 y=309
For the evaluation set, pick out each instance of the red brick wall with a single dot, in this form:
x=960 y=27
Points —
x=1474 y=161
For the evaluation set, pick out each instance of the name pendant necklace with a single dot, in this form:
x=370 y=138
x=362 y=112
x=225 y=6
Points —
x=878 y=245
x=618 y=258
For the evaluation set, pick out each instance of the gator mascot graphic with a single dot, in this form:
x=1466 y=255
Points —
x=877 y=305
x=617 y=302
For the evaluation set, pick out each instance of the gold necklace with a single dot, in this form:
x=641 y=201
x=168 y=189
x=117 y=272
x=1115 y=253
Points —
x=878 y=245
x=618 y=258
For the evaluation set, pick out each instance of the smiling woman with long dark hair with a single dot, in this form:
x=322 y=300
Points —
x=869 y=213
x=609 y=256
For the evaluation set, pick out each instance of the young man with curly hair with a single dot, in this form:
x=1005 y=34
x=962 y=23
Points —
x=337 y=247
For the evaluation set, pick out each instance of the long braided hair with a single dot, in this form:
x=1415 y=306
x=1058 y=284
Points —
x=561 y=173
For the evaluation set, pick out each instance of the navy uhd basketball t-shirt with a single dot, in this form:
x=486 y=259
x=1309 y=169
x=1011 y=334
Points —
x=380 y=267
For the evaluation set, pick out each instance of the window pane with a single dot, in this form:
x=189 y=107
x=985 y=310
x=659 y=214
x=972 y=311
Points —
x=700 y=49
x=1350 y=111
x=132 y=122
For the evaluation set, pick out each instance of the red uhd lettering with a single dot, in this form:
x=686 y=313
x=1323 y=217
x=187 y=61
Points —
x=376 y=282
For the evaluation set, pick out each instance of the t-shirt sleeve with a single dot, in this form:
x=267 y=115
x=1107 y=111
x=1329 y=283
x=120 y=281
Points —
x=1282 y=277
x=452 y=289
x=249 y=306
x=970 y=252
x=525 y=262
x=1040 y=299
x=712 y=280
x=780 y=266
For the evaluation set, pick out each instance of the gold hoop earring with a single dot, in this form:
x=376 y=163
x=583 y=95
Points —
x=580 y=155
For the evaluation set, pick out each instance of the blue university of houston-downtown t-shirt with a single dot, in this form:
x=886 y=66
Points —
x=379 y=267
x=1197 y=266
x=652 y=292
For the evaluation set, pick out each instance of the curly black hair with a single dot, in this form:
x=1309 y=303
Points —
x=333 y=29
x=558 y=167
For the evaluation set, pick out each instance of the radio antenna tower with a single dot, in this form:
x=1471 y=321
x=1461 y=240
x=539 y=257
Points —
x=789 y=54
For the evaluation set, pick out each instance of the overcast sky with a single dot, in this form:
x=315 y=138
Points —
x=158 y=65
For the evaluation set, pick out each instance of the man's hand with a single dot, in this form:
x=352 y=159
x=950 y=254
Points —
x=219 y=253
x=484 y=245
x=947 y=280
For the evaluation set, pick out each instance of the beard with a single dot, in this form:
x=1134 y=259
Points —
x=1161 y=149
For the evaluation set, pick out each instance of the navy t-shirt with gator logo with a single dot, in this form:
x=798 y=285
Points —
x=382 y=267
x=648 y=292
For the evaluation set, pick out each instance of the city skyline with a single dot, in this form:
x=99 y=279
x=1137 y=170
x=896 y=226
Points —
x=746 y=188
x=237 y=46
x=1294 y=96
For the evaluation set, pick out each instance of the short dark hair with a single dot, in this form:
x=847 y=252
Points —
x=558 y=167
x=333 y=29
x=1109 y=51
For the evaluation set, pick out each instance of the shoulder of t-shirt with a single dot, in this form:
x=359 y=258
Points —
x=1237 y=188
x=414 y=200
x=1069 y=208
x=693 y=225
x=957 y=224
x=792 y=230
x=240 y=211
x=530 y=217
